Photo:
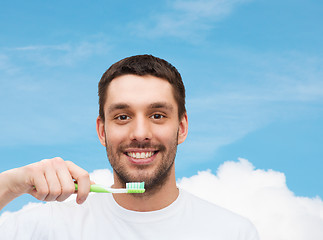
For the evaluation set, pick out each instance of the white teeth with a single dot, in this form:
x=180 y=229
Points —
x=141 y=155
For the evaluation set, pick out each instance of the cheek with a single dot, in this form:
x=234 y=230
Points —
x=115 y=135
x=166 y=134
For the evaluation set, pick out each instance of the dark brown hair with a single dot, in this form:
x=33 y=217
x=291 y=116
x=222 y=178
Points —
x=143 y=65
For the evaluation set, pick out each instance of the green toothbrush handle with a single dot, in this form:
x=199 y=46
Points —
x=95 y=188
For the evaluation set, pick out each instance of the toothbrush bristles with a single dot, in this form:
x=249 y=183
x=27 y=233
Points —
x=135 y=187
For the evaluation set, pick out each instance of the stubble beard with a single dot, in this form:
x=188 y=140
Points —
x=154 y=179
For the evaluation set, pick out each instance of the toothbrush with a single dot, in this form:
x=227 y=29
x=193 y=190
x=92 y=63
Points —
x=131 y=187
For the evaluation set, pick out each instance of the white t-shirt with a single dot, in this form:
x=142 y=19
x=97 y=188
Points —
x=100 y=217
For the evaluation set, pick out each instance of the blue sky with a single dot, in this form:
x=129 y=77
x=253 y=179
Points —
x=253 y=71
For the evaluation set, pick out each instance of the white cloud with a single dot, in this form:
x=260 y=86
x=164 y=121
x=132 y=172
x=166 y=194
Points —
x=260 y=195
x=102 y=176
x=263 y=197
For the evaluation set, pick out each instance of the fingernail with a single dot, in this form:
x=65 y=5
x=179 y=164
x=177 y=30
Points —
x=80 y=200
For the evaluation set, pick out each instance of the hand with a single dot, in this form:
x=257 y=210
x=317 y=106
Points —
x=47 y=180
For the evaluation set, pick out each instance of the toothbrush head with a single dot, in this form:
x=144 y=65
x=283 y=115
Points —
x=135 y=187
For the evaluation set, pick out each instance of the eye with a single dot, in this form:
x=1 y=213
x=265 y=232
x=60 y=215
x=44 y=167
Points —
x=122 y=117
x=157 y=116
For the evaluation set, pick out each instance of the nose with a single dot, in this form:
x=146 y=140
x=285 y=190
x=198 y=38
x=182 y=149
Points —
x=141 y=129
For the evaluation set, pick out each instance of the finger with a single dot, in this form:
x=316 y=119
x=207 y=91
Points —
x=83 y=180
x=54 y=186
x=40 y=190
x=66 y=182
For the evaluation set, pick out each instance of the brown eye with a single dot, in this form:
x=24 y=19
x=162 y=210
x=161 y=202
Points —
x=122 y=117
x=157 y=116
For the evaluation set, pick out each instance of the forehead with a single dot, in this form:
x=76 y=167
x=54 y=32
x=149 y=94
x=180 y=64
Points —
x=139 y=90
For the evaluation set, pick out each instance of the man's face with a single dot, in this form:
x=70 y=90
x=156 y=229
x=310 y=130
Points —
x=141 y=129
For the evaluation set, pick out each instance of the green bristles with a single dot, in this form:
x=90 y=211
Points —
x=135 y=187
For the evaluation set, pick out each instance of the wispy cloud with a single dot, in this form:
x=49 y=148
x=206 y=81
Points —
x=61 y=47
x=65 y=54
x=43 y=112
x=186 y=19
x=275 y=88
x=207 y=8
x=260 y=195
x=29 y=83
x=6 y=67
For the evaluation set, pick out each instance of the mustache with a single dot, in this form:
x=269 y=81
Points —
x=142 y=145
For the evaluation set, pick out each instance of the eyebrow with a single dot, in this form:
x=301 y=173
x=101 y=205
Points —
x=156 y=105
x=118 y=106
x=163 y=105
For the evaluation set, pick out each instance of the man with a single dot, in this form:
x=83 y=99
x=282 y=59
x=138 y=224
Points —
x=142 y=119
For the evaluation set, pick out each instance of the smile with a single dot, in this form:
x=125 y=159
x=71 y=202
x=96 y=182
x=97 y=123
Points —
x=140 y=155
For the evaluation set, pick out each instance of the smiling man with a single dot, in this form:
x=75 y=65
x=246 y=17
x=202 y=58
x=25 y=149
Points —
x=142 y=119
x=140 y=126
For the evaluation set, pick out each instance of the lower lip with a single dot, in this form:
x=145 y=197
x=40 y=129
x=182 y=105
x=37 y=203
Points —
x=142 y=161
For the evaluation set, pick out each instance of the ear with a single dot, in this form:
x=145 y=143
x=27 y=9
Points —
x=100 y=130
x=183 y=129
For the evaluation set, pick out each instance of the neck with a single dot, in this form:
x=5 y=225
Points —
x=150 y=200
